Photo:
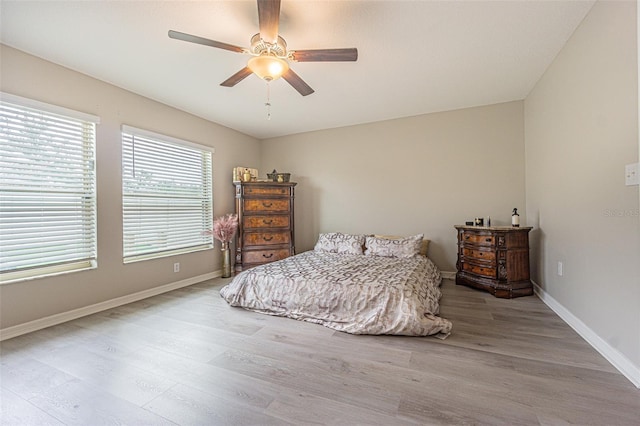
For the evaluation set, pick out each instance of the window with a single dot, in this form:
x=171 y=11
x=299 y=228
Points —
x=167 y=195
x=47 y=189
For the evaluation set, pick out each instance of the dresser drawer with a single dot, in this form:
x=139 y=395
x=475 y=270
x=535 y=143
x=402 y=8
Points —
x=264 y=256
x=266 y=191
x=484 y=271
x=268 y=205
x=266 y=238
x=479 y=239
x=252 y=222
x=479 y=254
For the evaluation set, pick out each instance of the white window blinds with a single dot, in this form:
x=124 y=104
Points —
x=167 y=195
x=47 y=189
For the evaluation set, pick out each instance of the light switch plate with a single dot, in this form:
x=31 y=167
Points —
x=632 y=174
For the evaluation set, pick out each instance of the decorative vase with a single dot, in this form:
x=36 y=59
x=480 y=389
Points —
x=226 y=260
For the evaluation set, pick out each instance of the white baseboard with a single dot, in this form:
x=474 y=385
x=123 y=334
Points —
x=618 y=360
x=28 y=327
x=448 y=275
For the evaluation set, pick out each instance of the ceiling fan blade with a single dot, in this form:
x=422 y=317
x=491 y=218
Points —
x=329 y=55
x=237 y=77
x=294 y=79
x=268 y=17
x=199 y=40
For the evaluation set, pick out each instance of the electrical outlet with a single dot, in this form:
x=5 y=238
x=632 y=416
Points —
x=632 y=174
x=560 y=269
x=176 y=267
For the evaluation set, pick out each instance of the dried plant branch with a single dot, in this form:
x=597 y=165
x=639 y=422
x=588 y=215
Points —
x=224 y=227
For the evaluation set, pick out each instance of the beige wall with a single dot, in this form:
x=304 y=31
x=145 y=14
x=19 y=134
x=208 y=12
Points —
x=413 y=175
x=30 y=77
x=581 y=124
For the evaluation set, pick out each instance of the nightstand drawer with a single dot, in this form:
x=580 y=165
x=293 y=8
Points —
x=266 y=238
x=479 y=254
x=264 y=256
x=252 y=222
x=267 y=205
x=483 y=271
x=478 y=239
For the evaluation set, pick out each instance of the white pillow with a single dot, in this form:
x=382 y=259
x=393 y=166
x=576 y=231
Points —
x=397 y=247
x=336 y=242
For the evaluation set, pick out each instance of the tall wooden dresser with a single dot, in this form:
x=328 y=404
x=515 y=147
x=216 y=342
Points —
x=494 y=258
x=265 y=223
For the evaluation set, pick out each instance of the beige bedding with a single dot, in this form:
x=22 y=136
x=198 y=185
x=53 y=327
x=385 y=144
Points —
x=356 y=294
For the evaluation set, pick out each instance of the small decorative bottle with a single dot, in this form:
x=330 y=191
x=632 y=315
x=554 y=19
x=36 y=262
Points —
x=515 y=218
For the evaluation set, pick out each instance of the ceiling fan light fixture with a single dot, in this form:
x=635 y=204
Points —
x=268 y=67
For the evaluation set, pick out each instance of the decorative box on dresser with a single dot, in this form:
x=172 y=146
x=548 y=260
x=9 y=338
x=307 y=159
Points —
x=265 y=223
x=494 y=258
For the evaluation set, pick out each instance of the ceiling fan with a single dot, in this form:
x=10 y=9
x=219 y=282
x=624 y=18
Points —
x=269 y=51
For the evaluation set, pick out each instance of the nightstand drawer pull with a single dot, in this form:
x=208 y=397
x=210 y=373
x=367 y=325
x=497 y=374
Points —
x=266 y=205
x=269 y=256
x=267 y=222
x=488 y=240
x=267 y=238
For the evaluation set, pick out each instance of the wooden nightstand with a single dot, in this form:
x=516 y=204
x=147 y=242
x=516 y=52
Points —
x=495 y=259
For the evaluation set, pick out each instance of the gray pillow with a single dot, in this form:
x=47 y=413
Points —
x=397 y=247
x=336 y=242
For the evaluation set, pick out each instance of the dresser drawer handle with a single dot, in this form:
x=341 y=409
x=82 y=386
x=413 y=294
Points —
x=488 y=240
x=267 y=238
x=267 y=205
x=269 y=256
x=466 y=237
x=267 y=222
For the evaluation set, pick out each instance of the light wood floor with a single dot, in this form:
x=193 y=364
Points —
x=187 y=358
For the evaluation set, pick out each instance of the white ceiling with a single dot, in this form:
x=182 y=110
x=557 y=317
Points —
x=415 y=57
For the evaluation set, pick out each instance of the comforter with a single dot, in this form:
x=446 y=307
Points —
x=356 y=294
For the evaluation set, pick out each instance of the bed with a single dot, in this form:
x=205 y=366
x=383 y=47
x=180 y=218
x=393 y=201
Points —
x=352 y=283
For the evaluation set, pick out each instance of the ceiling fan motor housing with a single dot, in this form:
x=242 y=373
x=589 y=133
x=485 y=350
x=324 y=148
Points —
x=261 y=47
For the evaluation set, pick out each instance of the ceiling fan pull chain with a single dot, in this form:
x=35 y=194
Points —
x=268 y=103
